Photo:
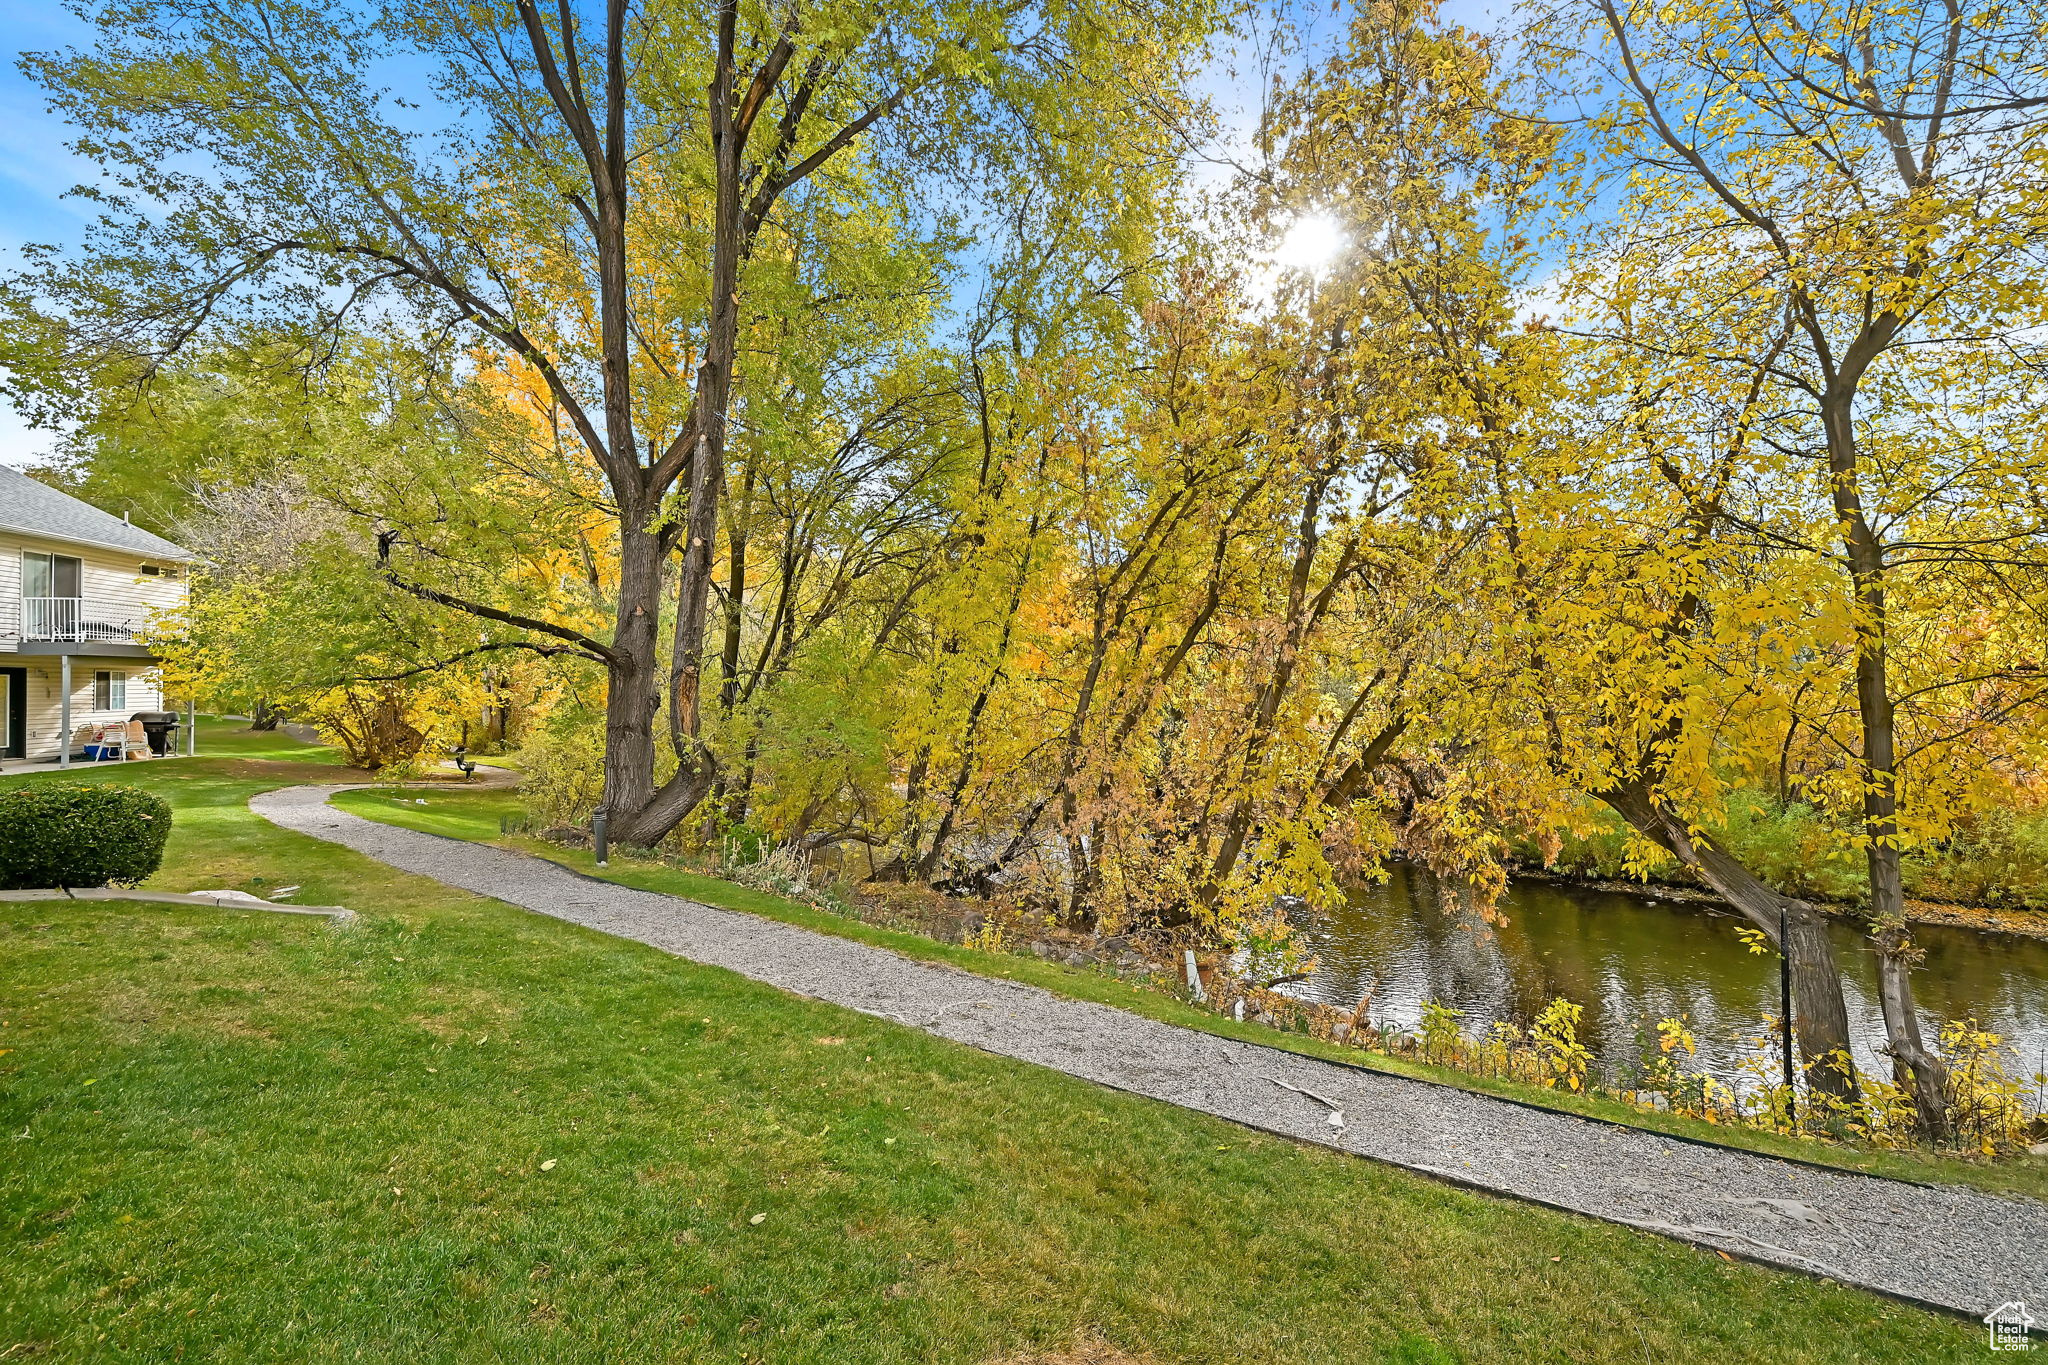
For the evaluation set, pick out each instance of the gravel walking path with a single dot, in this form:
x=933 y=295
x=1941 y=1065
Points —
x=1951 y=1247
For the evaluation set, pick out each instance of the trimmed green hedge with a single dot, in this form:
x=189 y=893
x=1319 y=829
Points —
x=69 y=834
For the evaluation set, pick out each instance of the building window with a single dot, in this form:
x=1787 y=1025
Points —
x=50 y=575
x=109 y=691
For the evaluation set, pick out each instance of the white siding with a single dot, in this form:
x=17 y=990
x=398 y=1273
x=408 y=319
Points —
x=109 y=578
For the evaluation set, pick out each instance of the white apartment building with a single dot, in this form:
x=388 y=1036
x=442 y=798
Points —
x=78 y=587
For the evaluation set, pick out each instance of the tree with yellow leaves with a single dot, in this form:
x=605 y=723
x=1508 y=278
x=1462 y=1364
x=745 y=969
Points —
x=1826 y=222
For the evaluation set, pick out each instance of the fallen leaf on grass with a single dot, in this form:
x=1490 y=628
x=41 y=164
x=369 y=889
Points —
x=828 y=1042
x=548 y=1165
x=758 y=1219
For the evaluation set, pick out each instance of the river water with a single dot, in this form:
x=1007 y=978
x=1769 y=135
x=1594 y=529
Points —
x=1632 y=960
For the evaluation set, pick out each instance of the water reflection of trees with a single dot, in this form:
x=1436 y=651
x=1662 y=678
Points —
x=1631 y=961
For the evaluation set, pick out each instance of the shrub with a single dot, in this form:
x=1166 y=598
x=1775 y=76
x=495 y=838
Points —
x=1997 y=857
x=563 y=763
x=739 y=844
x=372 y=728
x=784 y=870
x=1556 y=1034
x=1792 y=847
x=76 y=835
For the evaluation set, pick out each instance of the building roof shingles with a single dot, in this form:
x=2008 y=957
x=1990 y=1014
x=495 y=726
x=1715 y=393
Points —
x=36 y=509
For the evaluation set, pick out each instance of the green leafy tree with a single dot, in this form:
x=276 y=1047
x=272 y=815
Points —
x=597 y=200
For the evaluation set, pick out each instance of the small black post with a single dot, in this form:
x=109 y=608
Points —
x=598 y=818
x=1785 y=1011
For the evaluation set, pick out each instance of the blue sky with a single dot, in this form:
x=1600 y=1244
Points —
x=37 y=167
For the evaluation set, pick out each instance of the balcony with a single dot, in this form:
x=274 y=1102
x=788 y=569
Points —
x=70 y=620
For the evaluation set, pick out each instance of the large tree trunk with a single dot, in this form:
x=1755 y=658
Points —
x=1916 y=1068
x=631 y=697
x=734 y=803
x=932 y=860
x=1820 y=1017
x=903 y=864
x=648 y=820
x=1920 y=1071
x=1265 y=710
x=735 y=595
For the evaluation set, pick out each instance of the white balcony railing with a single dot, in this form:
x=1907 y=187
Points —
x=75 y=619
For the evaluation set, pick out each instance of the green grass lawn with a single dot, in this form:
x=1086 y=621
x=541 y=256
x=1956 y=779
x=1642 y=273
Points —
x=476 y=815
x=462 y=1132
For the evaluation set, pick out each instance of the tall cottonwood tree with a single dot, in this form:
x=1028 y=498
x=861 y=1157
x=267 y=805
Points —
x=582 y=194
x=1842 y=205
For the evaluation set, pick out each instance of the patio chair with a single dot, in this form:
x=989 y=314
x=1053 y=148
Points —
x=106 y=743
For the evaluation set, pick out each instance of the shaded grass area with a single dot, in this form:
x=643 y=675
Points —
x=476 y=816
x=464 y=1132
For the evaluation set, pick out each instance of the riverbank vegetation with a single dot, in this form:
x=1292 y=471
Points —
x=460 y=1126
x=1994 y=858
x=817 y=427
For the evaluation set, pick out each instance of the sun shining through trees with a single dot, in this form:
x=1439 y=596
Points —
x=1311 y=244
x=625 y=390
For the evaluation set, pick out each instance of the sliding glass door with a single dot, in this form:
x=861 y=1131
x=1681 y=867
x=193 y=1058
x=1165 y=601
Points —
x=50 y=586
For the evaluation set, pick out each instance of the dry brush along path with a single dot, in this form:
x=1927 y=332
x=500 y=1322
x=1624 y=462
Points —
x=1952 y=1248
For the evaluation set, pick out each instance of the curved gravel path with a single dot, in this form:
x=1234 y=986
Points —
x=1947 y=1247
